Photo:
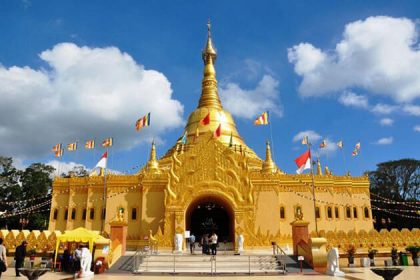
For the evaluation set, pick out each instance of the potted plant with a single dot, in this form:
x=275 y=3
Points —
x=394 y=256
x=414 y=250
x=351 y=250
x=371 y=254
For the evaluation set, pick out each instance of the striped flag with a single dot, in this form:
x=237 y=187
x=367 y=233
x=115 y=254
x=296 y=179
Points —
x=357 y=146
x=142 y=122
x=58 y=153
x=90 y=144
x=340 y=144
x=262 y=119
x=355 y=152
x=56 y=148
x=323 y=144
x=107 y=142
x=72 y=146
x=305 y=140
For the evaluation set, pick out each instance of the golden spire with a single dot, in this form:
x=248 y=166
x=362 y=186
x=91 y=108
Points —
x=209 y=93
x=318 y=169
x=268 y=165
x=153 y=165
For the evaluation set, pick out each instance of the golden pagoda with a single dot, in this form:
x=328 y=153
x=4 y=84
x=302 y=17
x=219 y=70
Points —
x=209 y=183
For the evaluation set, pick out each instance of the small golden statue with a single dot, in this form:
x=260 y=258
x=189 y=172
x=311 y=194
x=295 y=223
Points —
x=299 y=214
x=120 y=215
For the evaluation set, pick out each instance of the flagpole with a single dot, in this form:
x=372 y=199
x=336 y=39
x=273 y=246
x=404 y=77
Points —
x=271 y=137
x=103 y=213
x=313 y=189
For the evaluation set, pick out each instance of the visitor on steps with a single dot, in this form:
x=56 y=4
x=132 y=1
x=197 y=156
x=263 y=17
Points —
x=205 y=244
x=20 y=254
x=192 y=243
x=213 y=242
x=3 y=257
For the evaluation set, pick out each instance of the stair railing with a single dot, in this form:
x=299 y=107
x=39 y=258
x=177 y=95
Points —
x=278 y=251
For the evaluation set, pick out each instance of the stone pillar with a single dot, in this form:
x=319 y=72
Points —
x=119 y=231
x=299 y=232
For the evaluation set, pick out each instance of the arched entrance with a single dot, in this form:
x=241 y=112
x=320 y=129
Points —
x=208 y=214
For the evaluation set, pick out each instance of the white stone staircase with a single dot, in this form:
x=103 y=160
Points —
x=203 y=264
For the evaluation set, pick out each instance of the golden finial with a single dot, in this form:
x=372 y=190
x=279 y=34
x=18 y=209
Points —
x=319 y=169
x=268 y=165
x=209 y=92
x=327 y=171
x=153 y=165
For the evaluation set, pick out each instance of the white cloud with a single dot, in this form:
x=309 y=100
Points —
x=386 y=122
x=412 y=110
x=248 y=104
x=349 y=98
x=379 y=54
x=385 y=141
x=384 y=109
x=312 y=135
x=83 y=93
x=416 y=128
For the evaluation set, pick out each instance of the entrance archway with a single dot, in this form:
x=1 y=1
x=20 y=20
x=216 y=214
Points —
x=208 y=214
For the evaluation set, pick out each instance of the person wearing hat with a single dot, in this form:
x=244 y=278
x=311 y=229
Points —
x=20 y=254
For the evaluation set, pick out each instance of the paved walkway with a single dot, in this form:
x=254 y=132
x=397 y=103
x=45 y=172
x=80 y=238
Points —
x=409 y=273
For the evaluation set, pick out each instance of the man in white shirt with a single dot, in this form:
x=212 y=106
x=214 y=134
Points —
x=213 y=242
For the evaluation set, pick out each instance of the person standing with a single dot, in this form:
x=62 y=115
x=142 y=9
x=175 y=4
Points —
x=213 y=241
x=77 y=257
x=20 y=254
x=3 y=257
x=192 y=243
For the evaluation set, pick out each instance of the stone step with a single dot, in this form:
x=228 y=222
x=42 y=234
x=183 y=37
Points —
x=230 y=264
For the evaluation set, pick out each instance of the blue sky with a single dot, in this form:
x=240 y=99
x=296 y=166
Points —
x=345 y=70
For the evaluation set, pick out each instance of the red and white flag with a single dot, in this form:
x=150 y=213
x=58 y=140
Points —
x=102 y=162
x=303 y=162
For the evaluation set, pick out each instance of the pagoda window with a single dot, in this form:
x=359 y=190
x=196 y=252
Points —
x=317 y=213
x=366 y=210
x=282 y=213
x=348 y=212
x=355 y=212
x=329 y=212
x=337 y=213
x=92 y=213
x=66 y=214
x=134 y=213
x=55 y=214
x=73 y=214
x=84 y=214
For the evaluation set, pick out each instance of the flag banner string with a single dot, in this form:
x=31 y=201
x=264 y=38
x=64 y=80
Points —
x=339 y=204
x=24 y=200
x=388 y=201
x=25 y=210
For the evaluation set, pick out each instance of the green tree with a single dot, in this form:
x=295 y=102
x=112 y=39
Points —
x=36 y=183
x=397 y=180
x=30 y=187
x=77 y=171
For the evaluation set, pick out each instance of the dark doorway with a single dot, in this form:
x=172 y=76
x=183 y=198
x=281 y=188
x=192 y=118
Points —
x=207 y=216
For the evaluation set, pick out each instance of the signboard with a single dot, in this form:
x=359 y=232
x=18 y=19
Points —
x=300 y=258
x=187 y=234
